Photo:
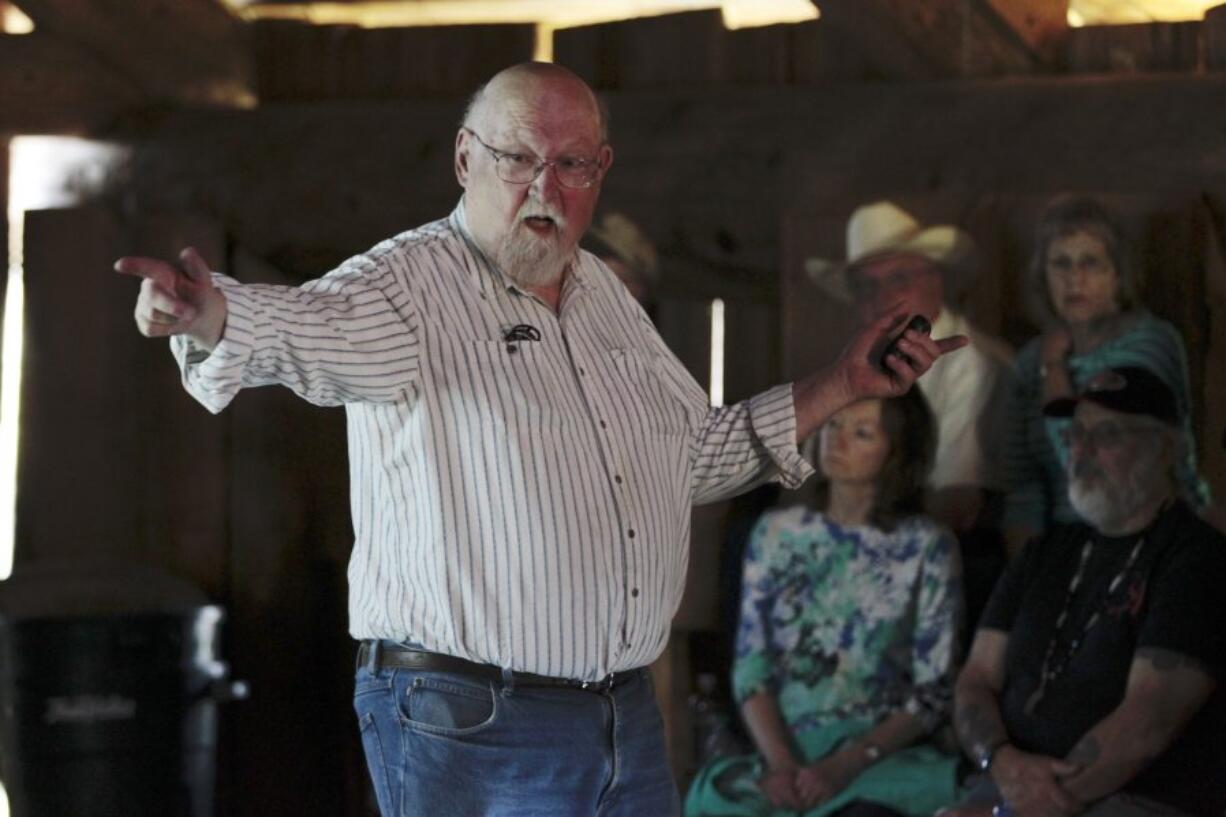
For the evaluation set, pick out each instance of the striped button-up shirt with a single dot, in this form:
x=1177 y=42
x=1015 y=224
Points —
x=521 y=478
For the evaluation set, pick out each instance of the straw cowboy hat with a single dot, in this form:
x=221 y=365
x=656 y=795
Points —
x=884 y=229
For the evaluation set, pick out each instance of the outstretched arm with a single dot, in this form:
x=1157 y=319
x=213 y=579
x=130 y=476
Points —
x=858 y=373
x=177 y=299
x=349 y=336
x=1164 y=691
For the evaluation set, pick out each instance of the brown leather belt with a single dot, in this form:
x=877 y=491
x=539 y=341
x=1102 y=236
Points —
x=389 y=655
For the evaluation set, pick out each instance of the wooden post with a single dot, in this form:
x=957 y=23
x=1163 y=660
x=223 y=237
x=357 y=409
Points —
x=1215 y=38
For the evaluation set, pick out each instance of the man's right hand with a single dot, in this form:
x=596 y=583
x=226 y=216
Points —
x=1030 y=784
x=177 y=300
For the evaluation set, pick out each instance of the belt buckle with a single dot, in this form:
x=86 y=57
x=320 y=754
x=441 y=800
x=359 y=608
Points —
x=603 y=685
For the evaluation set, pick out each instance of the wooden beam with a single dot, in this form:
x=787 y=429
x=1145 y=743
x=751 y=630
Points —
x=1041 y=24
x=49 y=86
x=939 y=38
x=183 y=51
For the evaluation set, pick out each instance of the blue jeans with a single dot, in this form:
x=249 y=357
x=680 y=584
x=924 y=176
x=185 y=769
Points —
x=447 y=745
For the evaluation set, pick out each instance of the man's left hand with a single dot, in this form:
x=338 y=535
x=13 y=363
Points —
x=868 y=375
x=859 y=373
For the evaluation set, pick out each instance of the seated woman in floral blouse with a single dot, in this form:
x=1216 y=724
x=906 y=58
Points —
x=846 y=646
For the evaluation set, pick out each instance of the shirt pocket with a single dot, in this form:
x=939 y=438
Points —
x=649 y=398
x=519 y=387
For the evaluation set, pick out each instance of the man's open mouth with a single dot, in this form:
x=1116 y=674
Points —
x=539 y=222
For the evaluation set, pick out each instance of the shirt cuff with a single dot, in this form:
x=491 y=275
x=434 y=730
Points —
x=214 y=378
x=773 y=417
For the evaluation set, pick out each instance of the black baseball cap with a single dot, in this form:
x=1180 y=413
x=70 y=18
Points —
x=1128 y=390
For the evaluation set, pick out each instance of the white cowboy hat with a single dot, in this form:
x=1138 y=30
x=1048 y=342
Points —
x=883 y=229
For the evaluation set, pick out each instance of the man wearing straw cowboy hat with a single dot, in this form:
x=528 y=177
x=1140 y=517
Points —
x=892 y=259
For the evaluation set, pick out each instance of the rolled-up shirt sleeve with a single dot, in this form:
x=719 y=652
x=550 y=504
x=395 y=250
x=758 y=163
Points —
x=747 y=443
x=348 y=336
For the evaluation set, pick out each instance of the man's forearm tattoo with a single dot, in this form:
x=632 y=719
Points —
x=1168 y=660
x=976 y=727
x=1085 y=752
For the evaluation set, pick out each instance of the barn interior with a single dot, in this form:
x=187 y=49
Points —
x=282 y=136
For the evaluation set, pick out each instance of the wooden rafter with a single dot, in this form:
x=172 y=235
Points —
x=1041 y=24
x=186 y=51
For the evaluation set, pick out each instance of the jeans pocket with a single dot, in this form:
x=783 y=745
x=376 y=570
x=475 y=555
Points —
x=445 y=706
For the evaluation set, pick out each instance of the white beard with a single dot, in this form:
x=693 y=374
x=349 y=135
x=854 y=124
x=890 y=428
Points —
x=531 y=260
x=1104 y=502
x=1098 y=504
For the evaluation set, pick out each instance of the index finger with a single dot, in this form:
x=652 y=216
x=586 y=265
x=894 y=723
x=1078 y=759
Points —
x=155 y=269
x=952 y=343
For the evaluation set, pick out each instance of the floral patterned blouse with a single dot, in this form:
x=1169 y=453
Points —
x=848 y=622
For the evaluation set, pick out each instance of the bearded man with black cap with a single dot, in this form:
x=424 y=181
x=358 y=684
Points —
x=1095 y=681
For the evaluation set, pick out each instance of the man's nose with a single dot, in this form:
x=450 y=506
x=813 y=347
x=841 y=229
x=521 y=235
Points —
x=546 y=183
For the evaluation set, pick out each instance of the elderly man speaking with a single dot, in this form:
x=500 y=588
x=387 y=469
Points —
x=524 y=454
x=1095 y=681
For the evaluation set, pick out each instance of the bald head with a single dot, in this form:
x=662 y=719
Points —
x=536 y=84
x=539 y=117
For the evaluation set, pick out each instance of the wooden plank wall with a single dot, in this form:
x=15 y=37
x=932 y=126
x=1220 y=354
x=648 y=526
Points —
x=298 y=61
x=118 y=462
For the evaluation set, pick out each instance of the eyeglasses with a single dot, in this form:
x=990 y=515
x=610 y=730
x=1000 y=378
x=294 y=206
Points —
x=523 y=168
x=1104 y=436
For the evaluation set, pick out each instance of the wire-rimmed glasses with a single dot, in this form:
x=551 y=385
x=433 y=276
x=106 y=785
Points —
x=523 y=168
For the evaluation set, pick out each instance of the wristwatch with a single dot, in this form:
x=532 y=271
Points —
x=985 y=753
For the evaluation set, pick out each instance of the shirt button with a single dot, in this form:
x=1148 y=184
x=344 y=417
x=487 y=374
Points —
x=582 y=371
x=512 y=348
x=630 y=533
x=617 y=478
x=603 y=424
x=634 y=593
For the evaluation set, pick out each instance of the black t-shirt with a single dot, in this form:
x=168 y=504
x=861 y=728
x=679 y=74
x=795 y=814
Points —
x=1173 y=597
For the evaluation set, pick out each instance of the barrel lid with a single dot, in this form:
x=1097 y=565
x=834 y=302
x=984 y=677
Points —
x=95 y=587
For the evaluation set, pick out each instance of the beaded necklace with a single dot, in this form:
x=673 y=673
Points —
x=1052 y=668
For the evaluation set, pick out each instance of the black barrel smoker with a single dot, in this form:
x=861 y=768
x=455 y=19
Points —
x=109 y=686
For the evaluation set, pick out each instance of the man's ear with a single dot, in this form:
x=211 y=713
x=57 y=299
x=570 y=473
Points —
x=606 y=158
x=461 y=157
